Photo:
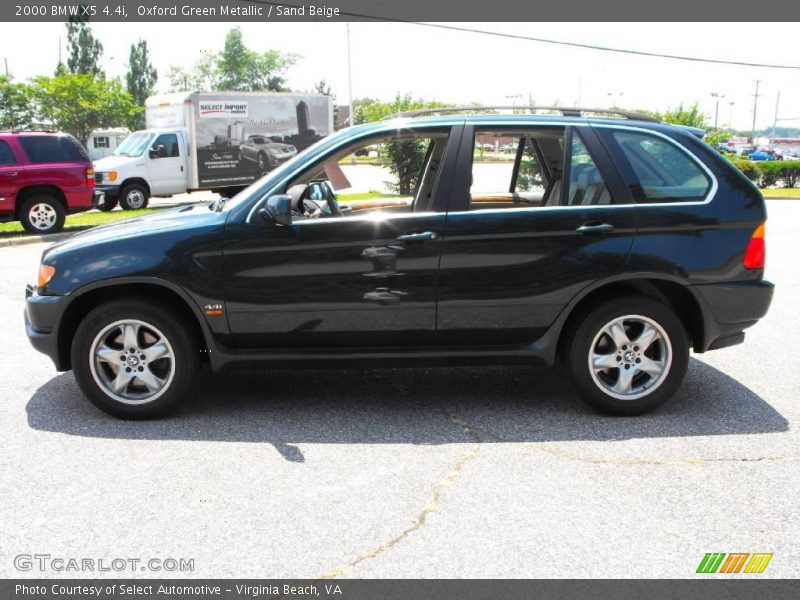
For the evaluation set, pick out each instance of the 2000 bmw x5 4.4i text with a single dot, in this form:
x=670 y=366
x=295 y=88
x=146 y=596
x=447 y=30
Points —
x=611 y=243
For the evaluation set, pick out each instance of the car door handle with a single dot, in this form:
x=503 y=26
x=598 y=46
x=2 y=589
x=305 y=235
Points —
x=591 y=228
x=417 y=237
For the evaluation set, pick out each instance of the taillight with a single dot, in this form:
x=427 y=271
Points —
x=90 y=177
x=756 y=253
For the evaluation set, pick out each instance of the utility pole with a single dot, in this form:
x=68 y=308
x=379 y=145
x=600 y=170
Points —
x=349 y=79
x=775 y=122
x=717 y=98
x=730 y=114
x=5 y=59
x=753 y=129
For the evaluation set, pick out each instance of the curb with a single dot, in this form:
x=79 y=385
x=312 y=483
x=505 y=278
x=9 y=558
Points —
x=25 y=240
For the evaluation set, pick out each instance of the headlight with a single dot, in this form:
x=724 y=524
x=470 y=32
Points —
x=46 y=273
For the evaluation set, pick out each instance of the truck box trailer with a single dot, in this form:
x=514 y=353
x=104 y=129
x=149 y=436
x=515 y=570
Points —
x=220 y=141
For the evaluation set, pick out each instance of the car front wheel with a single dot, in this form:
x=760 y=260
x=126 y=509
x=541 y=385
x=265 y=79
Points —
x=628 y=356
x=133 y=197
x=134 y=361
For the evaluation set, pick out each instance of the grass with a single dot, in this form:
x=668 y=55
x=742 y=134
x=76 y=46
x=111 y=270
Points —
x=80 y=221
x=781 y=192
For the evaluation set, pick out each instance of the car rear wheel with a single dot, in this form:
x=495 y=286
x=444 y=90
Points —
x=42 y=213
x=134 y=196
x=628 y=356
x=134 y=361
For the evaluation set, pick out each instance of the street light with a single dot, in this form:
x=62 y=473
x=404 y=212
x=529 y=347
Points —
x=730 y=114
x=717 y=97
x=614 y=97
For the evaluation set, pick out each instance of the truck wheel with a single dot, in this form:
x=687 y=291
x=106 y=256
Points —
x=133 y=197
x=108 y=205
x=133 y=360
x=42 y=213
x=628 y=356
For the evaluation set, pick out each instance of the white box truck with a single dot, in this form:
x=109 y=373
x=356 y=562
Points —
x=219 y=141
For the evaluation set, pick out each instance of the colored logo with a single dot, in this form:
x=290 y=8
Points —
x=734 y=562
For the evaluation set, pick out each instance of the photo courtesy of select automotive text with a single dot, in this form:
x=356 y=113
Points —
x=409 y=300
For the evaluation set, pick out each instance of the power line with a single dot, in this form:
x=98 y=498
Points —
x=539 y=40
x=604 y=48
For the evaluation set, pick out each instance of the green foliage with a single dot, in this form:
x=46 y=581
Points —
x=235 y=68
x=79 y=104
x=405 y=156
x=141 y=80
x=717 y=137
x=16 y=108
x=691 y=117
x=84 y=49
x=785 y=173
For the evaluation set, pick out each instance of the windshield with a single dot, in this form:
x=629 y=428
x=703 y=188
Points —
x=134 y=144
x=262 y=185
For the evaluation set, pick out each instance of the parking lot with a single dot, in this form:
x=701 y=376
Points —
x=461 y=472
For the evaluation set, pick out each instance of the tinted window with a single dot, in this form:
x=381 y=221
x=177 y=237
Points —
x=659 y=171
x=53 y=149
x=586 y=184
x=170 y=143
x=6 y=157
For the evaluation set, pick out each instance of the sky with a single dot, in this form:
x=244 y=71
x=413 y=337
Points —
x=461 y=67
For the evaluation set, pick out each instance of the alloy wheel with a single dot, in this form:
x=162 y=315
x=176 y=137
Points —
x=42 y=216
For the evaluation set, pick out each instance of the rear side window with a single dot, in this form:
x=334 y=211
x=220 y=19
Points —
x=659 y=171
x=43 y=149
x=6 y=156
x=586 y=184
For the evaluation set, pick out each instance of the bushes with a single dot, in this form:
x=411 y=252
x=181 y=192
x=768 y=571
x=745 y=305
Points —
x=785 y=173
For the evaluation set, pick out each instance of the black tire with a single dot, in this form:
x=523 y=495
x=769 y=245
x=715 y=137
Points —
x=134 y=196
x=42 y=214
x=585 y=337
x=108 y=205
x=90 y=374
x=263 y=163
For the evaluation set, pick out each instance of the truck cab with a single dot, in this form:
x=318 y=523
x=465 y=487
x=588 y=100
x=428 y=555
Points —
x=151 y=162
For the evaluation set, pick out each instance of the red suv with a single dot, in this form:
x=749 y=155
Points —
x=43 y=177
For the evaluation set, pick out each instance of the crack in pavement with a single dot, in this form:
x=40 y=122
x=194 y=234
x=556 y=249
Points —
x=449 y=480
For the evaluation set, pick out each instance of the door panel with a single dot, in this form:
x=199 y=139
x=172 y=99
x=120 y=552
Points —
x=168 y=173
x=507 y=273
x=333 y=282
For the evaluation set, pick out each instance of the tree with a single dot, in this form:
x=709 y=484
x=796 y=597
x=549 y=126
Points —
x=140 y=79
x=236 y=69
x=16 y=109
x=78 y=104
x=324 y=88
x=404 y=157
x=691 y=117
x=84 y=49
x=245 y=70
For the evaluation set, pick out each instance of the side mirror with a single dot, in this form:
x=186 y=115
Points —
x=278 y=209
x=158 y=151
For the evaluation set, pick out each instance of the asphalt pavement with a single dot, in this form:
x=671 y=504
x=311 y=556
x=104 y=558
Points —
x=456 y=472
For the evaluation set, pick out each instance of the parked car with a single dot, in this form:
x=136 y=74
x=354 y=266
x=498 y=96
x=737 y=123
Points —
x=44 y=176
x=615 y=247
x=265 y=152
x=764 y=155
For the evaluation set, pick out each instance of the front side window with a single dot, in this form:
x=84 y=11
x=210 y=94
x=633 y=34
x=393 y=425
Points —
x=169 y=141
x=659 y=171
x=586 y=184
x=392 y=173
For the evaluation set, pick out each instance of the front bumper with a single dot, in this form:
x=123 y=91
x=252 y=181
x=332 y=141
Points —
x=42 y=319
x=730 y=308
x=109 y=191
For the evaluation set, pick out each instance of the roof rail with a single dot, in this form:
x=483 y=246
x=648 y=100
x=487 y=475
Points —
x=565 y=111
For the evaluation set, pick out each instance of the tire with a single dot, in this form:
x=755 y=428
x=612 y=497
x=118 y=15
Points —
x=649 y=373
x=263 y=163
x=42 y=213
x=134 y=196
x=108 y=205
x=100 y=342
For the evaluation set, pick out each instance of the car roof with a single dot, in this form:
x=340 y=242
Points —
x=525 y=120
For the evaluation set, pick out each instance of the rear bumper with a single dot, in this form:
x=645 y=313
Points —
x=41 y=323
x=729 y=309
